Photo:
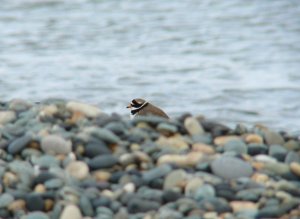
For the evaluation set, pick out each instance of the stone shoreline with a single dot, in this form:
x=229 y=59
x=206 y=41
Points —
x=62 y=159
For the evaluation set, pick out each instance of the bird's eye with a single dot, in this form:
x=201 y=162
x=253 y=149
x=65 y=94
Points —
x=134 y=101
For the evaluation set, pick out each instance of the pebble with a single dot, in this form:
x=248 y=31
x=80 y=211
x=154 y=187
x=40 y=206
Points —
x=192 y=185
x=190 y=159
x=273 y=138
x=87 y=110
x=34 y=202
x=231 y=168
x=137 y=205
x=157 y=172
x=205 y=191
x=102 y=162
x=7 y=117
x=176 y=178
x=237 y=146
x=254 y=139
x=278 y=152
x=222 y=140
x=19 y=144
x=5 y=200
x=193 y=126
x=54 y=144
x=175 y=142
x=78 y=170
x=203 y=148
x=295 y=168
x=292 y=157
x=71 y=211
x=36 y=215
x=238 y=206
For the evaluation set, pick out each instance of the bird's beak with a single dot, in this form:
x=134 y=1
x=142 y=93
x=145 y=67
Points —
x=129 y=106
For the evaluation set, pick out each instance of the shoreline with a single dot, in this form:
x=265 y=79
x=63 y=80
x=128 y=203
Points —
x=65 y=159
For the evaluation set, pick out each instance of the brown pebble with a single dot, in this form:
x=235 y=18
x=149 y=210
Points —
x=204 y=148
x=260 y=178
x=253 y=138
x=16 y=205
x=9 y=178
x=243 y=205
x=222 y=140
x=102 y=176
x=49 y=203
x=295 y=168
x=40 y=188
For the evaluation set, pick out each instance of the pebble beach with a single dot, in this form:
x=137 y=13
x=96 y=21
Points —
x=63 y=159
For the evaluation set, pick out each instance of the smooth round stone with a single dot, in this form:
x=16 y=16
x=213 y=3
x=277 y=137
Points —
x=254 y=139
x=46 y=161
x=19 y=105
x=278 y=152
x=238 y=206
x=193 y=126
x=205 y=191
x=231 y=168
x=54 y=144
x=292 y=145
x=171 y=195
x=167 y=128
x=87 y=110
x=7 y=117
x=36 y=215
x=254 y=149
x=102 y=162
x=222 y=140
x=176 y=178
x=136 y=205
x=237 y=146
x=71 y=211
x=273 y=138
x=157 y=172
x=292 y=157
x=96 y=148
x=165 y=213
x=104 y=135
x=86 y=206
x=104 y=211
x=19 y=144
x=78 y=170
x=192 y=186
x=175 y=142
x=5 y=200
x=218 y=205
x=280 y=169
x=265 y=158
x=34 y=202
x=150 y=194
x=54 y=184
x=295 y=168
x=186 y=205
x=43 y=177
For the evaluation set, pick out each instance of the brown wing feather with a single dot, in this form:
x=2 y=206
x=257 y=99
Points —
x=152 y=110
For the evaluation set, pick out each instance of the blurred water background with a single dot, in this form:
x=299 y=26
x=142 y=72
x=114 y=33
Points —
x=234 y=60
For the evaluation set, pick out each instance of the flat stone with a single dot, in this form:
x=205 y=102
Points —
x=18 y=144
x=218 y=205
x=16 y=205
x=193 y=126
x=166 y=128
x=54 y=184
x=278 y=152
x=265 y=158
x=237 y=146
x=54 y=144
x=176 y=178
x=86 y=206
x=102 y=162
x=273 y=138
x=78 y=169
x=71 y=211
x=86 y=109
x=103 y=134
x=204 y=148
x=280 y=169
x=95 y=148
x=7 y=117
x=231 y=168
x=186 y=160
